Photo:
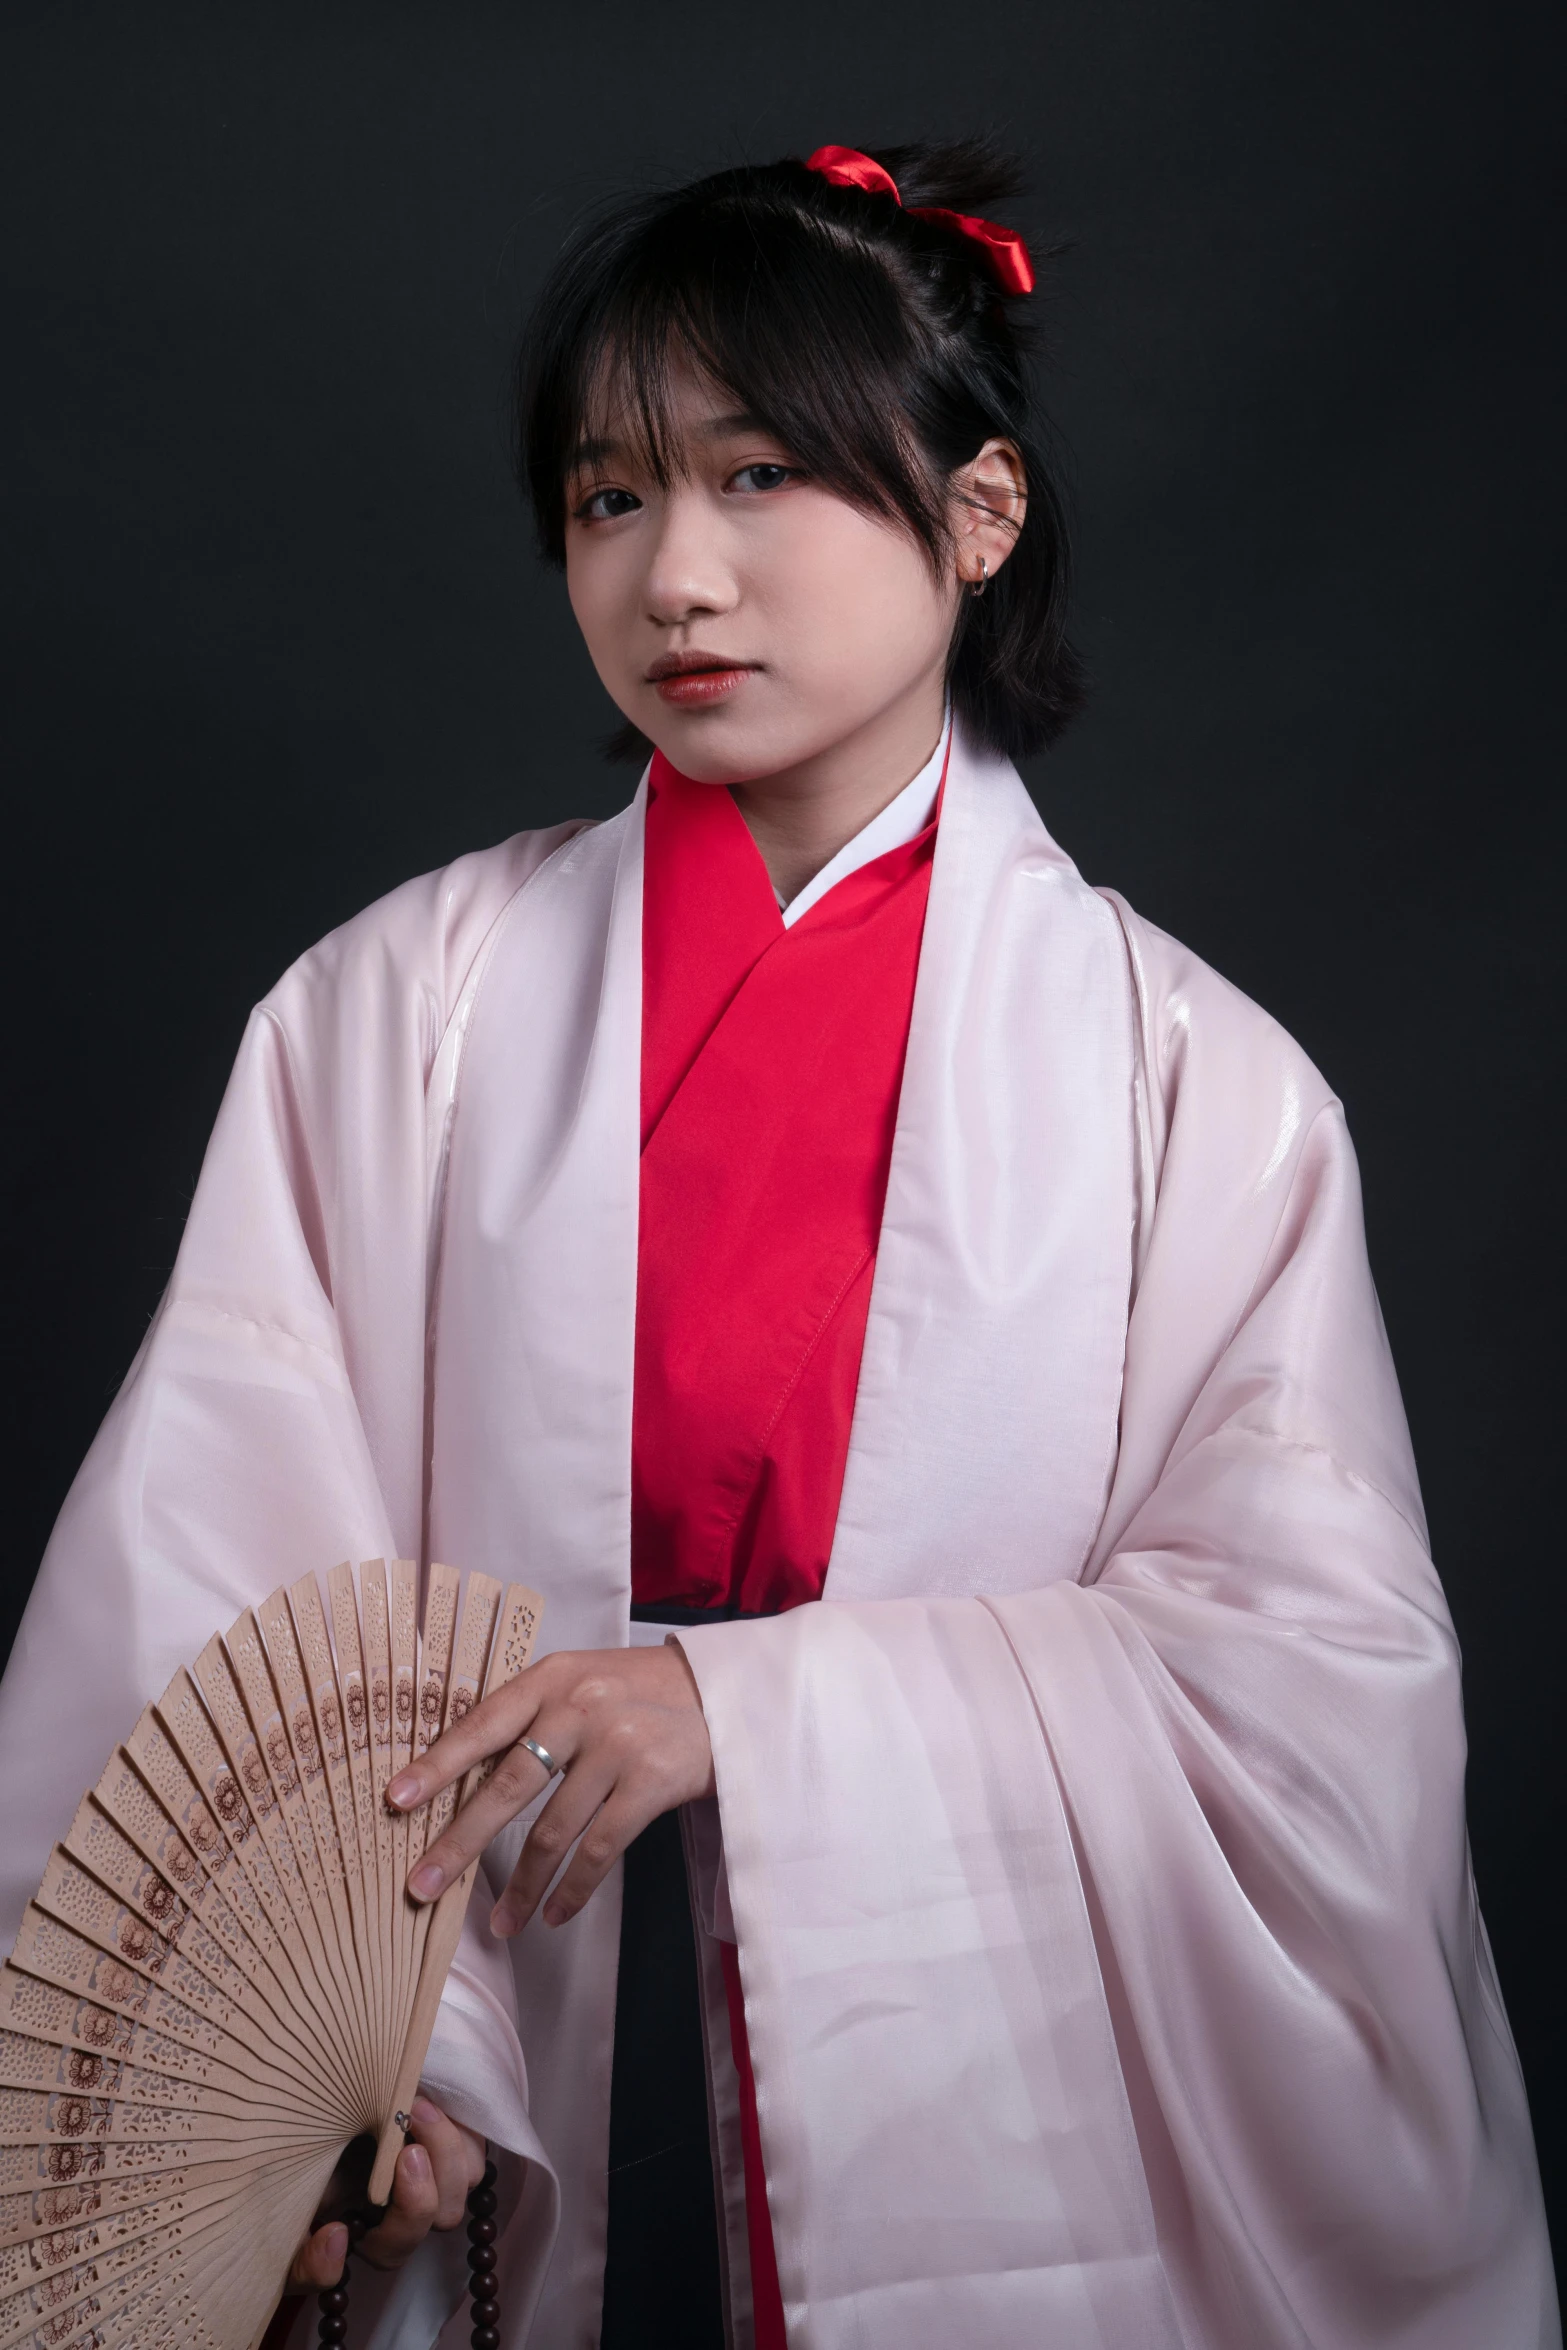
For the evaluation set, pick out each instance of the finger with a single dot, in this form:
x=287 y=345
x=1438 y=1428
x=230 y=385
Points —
x=582 y=1792
x=318 y=2264
x=456 y=2164
x=517 y=1780
x=620 y=1822
x=498 y=1721
x=410 y=2215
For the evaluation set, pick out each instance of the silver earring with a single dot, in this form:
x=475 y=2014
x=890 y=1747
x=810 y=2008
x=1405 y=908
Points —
x=977 y=587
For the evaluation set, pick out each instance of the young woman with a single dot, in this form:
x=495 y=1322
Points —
x=911 y=1319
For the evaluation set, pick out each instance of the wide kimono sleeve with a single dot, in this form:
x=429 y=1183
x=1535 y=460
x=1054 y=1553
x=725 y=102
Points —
x=274 y=1419
x=1112 y=1965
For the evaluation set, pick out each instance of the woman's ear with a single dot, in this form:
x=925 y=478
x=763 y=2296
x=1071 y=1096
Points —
x=988 y=502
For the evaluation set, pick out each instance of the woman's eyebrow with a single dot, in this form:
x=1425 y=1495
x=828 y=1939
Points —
x=607 y=448
x=721 y=428
x=594 y=452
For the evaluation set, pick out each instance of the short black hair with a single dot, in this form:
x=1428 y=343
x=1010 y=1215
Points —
x=876 y=346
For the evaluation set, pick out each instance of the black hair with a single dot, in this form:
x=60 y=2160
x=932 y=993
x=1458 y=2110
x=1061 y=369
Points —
x=876 y=346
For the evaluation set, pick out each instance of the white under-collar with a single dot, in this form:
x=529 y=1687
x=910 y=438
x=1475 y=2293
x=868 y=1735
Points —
x=901 y=820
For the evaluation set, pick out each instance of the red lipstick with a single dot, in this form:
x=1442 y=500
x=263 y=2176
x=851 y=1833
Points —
x=690 y=679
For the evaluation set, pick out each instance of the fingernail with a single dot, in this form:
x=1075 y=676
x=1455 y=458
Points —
x=403 y=1790
x=418 y=2161
x=426 y=1881
x=502 y=1921
x=554 y=1915
x=336 y=2245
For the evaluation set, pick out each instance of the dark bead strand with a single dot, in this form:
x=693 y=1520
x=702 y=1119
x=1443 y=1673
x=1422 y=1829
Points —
x=481 y=2262
x=333 y=2303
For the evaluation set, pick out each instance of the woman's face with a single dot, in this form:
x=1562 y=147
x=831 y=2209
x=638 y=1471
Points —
x=745 y=619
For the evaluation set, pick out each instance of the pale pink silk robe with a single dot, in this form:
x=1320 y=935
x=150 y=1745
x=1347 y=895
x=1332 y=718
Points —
x=1095 y=1849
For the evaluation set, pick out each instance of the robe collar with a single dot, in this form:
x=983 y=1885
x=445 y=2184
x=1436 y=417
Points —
x=901 y=821
x=985 y=1424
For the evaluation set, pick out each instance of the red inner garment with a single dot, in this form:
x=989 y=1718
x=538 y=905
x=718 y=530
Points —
x=766 y=2298
x=771 y=1064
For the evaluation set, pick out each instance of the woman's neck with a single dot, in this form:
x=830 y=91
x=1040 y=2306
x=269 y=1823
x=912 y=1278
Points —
x=801 y=817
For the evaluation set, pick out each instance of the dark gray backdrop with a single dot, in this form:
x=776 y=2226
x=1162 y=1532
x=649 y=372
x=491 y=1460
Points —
x=273 y=638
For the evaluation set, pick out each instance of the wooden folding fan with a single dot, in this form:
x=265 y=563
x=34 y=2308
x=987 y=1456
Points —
x=221 y=1982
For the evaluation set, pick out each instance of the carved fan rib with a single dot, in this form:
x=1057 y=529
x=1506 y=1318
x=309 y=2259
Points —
x=220 y=1980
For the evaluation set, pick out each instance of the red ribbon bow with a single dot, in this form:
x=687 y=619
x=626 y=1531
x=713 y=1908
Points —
x=1005 y=250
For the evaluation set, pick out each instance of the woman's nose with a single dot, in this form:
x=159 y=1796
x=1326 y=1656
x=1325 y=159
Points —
x=688 y=576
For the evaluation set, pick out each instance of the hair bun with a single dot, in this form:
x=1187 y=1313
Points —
x=951 y=175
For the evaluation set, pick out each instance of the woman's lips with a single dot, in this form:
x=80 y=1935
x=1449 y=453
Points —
x=689 y=688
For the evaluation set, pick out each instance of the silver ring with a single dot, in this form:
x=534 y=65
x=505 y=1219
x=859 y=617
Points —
x=542 y=1754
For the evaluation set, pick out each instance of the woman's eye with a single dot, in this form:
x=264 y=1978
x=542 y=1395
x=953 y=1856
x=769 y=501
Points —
x=607 y=506
x=751 y=478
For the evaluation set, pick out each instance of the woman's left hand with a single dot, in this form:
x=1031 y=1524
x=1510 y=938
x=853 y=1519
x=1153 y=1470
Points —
x=430 y=2187
x=627 y=1726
